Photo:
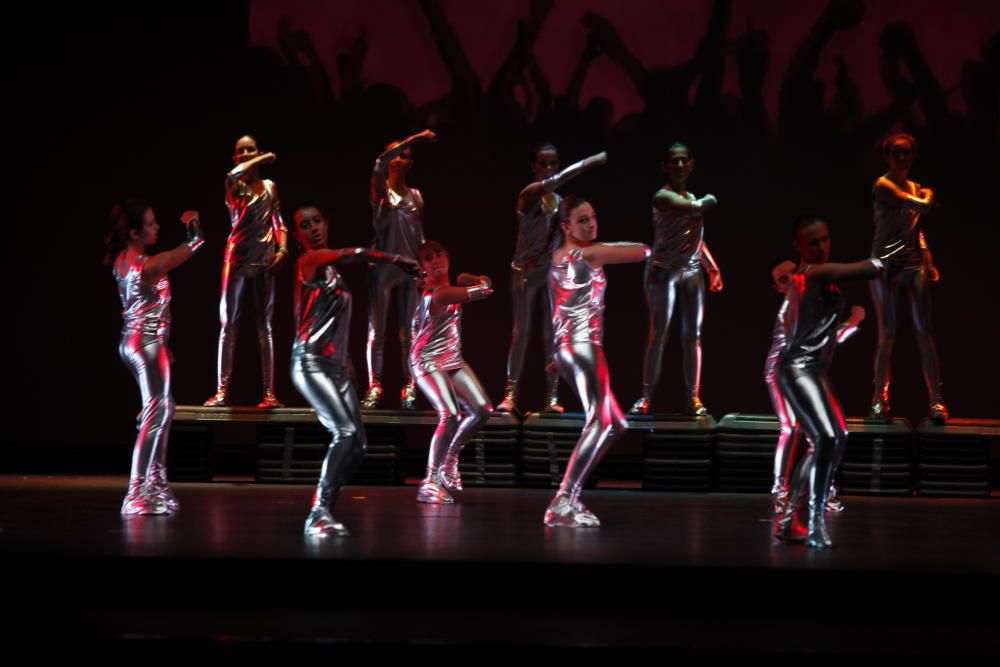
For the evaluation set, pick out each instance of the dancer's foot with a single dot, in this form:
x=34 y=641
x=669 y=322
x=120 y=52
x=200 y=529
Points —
x=789 y=527
x=408 y=397
x=372 y=397
x=565 y=513
x=220 y=400
x=270 y=401
x=695 y=408
x=880 y=409
x=643 y=406
x=320 y=523
x=138 y=501
x=432 y=491
x=938 y=413
x=833 y=502
x=158 y=487
x=451 y=476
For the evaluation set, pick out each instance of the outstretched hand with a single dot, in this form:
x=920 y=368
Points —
x=715 y=281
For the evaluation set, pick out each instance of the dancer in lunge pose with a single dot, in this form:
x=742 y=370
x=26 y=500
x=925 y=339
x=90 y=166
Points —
x=320 y=360
x=440 y=371
x=576 y=287
x=811 y=320
x=144 y=289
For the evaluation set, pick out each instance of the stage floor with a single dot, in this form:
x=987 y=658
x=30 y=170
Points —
x=688 y=573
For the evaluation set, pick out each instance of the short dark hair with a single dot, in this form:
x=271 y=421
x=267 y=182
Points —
x=569 y=203
x=432 y=246
x=677 y=145
x=893 y=138
x=802 y=222
x=125 y=216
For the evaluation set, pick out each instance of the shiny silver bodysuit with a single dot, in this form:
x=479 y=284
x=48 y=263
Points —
x=536 y=239
x=256 y=224
x=320 y=372
x=673 y=277
x=577 y=293
x=452 y=389
x=143 y=349
x=398 y=223
x=812 y=312
x=899 y=242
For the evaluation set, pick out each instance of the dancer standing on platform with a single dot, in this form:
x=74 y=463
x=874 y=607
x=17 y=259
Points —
x=576 y=287
x=673 y=276
x=320 y=361
x=811 y=319
x=789 y=447
x=536 y=238
x=256 y=247
x=442 y=374
x=144 y=289
x=898 y=204
x=397 y=215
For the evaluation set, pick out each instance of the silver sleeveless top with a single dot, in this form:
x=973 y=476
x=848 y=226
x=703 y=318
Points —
x=437 y=339
x=812 y=317
x=897 y=234
x=322 y=317
x=535 y=234
x=398 y=222
x=576 y=292
x=145 y=307
x=677 y=237
x=256 y=222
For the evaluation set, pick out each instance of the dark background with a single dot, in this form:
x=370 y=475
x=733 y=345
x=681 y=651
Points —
x=116 y=102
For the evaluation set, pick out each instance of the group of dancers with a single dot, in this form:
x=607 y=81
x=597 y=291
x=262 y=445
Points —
x=559 y=263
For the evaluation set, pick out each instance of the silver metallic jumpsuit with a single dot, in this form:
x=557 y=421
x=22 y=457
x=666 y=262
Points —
x=577 y=293
x=788 y=450
x=452 y=389
x=143 y=348
x=673 y=276
x=811 y=315
x=399 y=229
x=256 y=224
x=530 y=269
x=900 y=242
x=320 y=372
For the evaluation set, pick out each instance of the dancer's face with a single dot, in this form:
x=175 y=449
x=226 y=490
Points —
x=678 y=165
x=311 y=229
x=582 y=225
x=546 y=164
x=401 y=163
x=246 y=149
x=434 y=264
x=781 y=275
x=149 y=232
x=813 y=243
x=900 y=157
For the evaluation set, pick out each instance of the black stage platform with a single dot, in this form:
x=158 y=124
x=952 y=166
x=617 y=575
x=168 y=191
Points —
x=682 y=573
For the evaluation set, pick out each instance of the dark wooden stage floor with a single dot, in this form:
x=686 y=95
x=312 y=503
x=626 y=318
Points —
x=685 y=573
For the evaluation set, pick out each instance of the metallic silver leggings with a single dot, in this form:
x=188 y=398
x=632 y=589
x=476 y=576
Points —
x=814 y=404
x=383 y=280
x=329 y=390
x=147 y=358
x=583 y=365
x=887 y=290
x=234 y=281
x=789 y=436
x=462 y=407
x=525 y=290
x=664 y=289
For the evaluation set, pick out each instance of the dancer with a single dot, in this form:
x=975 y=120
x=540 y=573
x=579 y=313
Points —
x=576 y=287
x=673 y=275
x=536 y=238
x=788 y=449
x=256 y=247
x=320 y=361
x=144 y=289
x=811 y=317
x=397 y=215
x=442 y=374
x=898 y=204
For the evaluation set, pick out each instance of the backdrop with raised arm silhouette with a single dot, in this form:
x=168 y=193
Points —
x=783 y=106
